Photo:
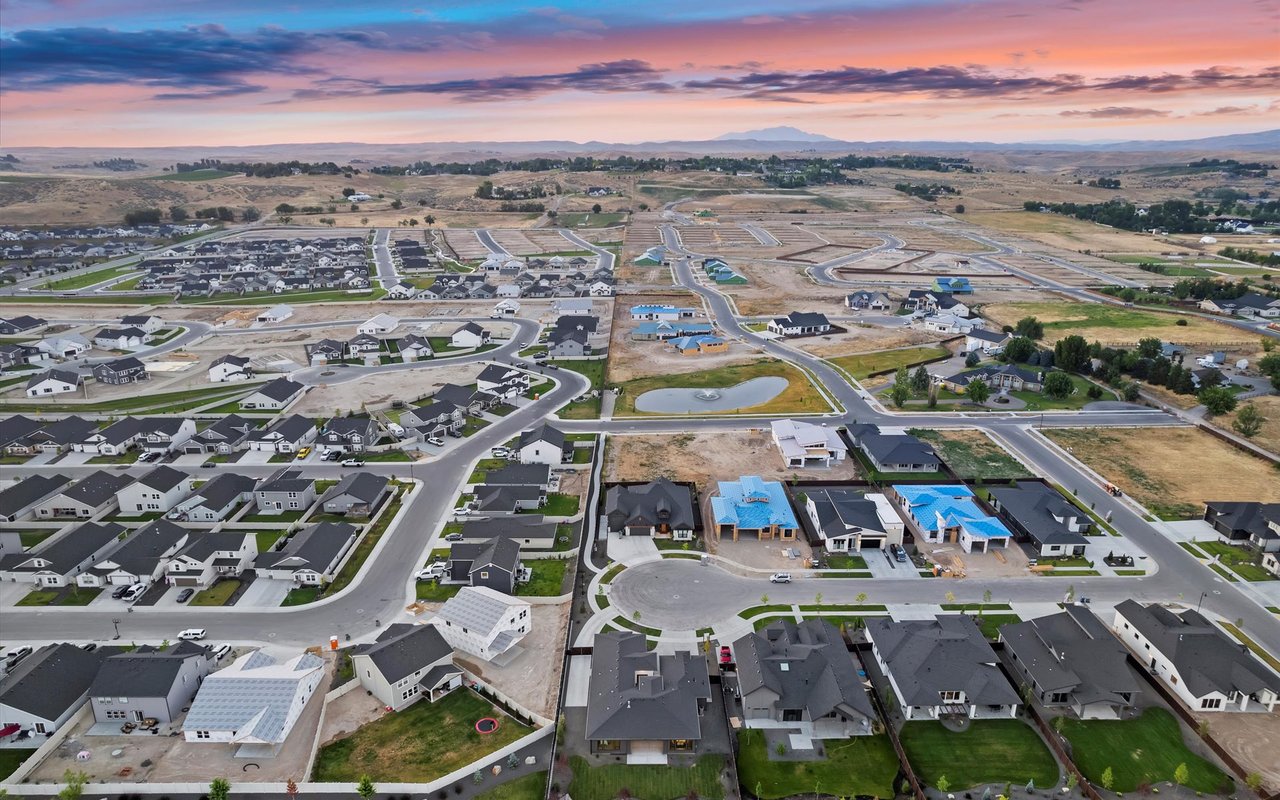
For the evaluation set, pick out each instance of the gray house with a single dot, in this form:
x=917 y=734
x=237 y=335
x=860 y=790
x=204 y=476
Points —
x=57 y=561
x=1040 y=515
x=285 y=492
x=216 y=500
x=530 y=530
x=311 y=557
x=799 y=676
x=1258 y=524
x=641 y=702
x=149 y=683
x=86 y=497
x=121 y=371
x=223 y=437
x=406 y=663
x=357 y=494
x=349 y=434
x=1071 y=659
x=495 y=564
x=659 y=508
x=48 y=687
x=894 y=452
x=22 y=497
x=140 y=558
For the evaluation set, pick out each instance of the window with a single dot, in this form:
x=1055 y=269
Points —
x=1210 y=703
x=115 y=715
x=950 y=697
x=202 y=734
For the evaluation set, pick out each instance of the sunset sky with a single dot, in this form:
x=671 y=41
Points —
x=134 y=73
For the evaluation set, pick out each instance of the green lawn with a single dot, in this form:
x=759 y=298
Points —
x=282 y=517
x=772 y=608
x=1237 y=559
x=484 y=466
x=266 y=539
x=38 y=597
x=548 y=577
x=990 y=624
x=92 y=299
x=128 y=457
x=843 y=561
x=1079 y=399
x=594 y=371
x=530 y=787
x=560 y=505
x=385 y=456
x=990 y=751
x=31 y=538
x=332 y=296
x=419 y=744
x=863 y=766
x=10 y=760
x=1139 y=751
x=862 y=365
x=217 y=594
x=193 y=397
x=473 y=424
x=586 y=219
x=972 y=454
x=301 y=596
x=646 y=782
x=433 y=592
x=84 y=279
x=800 y=396
x=79 y=596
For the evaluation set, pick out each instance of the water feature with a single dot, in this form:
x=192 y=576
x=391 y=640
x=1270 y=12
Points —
x=754 y=392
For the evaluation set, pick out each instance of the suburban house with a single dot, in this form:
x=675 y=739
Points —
x=85 y=498
x=1271 y=564
x=43 y=691
x=799 y=323
x=348 y=434
x=254 y=703
x=952 y=285
x=434 y=419
x=287 y=435
x=116 y=439
x=1258 y=524
x=147 y=323
x=357 y=494
x=848 y=520
x=484 y=623
x=999 y=377
x=502 y=380
x=120 y=338
x=121 y=371
x=54 y=381
x=149 y=683
x=925 y=301
x=469 y=335
x=641 y=704
x=406 y=663
x=544 y=445
x=991 y=343
x=941 y=667
x=214 y=501
x=413 y=347
x=563 y=343
x=529 y=530
x=495 y=564
x=378 y=324
x=950 y=324
x=273 y=396
x=57 y=561
x=311 y=557
x=285 y=492
x=1072 y=659
x=326 y=351
x=894 y=452
x=662 y=312
x=804 y=444
x=165 y=434
x=651 y=257
x=1196 y=660
x=1039 y=514
x=21 y=498
x=223 y=436
x=659 y=508
x=65 y=346
x=950 y=513
x=506 y=308
x=697 y=345
x=799 y=677
x=208 y=556
x=155 y=492
x=275 y=314
x=650 y=331
x=364 y=344
x=230 y=368
x=753 y=506
x=17 y=326
x=872 y=301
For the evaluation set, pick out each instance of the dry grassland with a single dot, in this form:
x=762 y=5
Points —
x=1269 y=437
x=1113 y=325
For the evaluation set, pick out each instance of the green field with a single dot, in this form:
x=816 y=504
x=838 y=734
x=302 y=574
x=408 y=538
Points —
x=862 y=365
x=194 y=175
x=575 y=219
x=647 y=782
x=594 y=372
x=1140 y=751
x=1237 y=559
x=864 y=766
x=330 y=296
x=83 y=279
x=990 y=751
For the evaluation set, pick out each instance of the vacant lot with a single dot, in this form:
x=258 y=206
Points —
x=800 y=396
x=1269 y=437
x=1113 y=325
x=863 y=365
x=864 y=766
x=1171 y=471
x=706 y=456
x=1251 y=740
x=1070 y=233
x=990 y=751
x=1140 y=751
x=973 y=454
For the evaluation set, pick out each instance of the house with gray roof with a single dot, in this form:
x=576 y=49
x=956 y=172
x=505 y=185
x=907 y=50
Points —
x=530 y=531
x=284 y=492
x=21 y=499
x=642 y=704
x=801 y=677
x=941 y=667
x=149 y=683
x=85 y=498
x=349 y=434
x=157 y=491
x=140 y=558
x=311 y=557
x=485 y=623
x=15 y=427
x=222 y=437
x=1257 y=524
x=509 y=499
x=58 y=560
x=999 y=377
x=519 y=475
x=1072 y=660
x=216 y=500
x=894 y=452
x=287 y=435
x=495 y=564
x=52 y=437
x=208 y=556
x=254 y=703
x=54 y=381
x=273 y=396
x=45 y=689
x=1040 y=515
x=1195 y=659
x=405 y=664
x=357 y=494
x=116 y=439
x=845 y=520
x=659 y=508
x=544 y=445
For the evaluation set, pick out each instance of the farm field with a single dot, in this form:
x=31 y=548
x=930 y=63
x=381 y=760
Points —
x=1114 y=325
x=1171 y=471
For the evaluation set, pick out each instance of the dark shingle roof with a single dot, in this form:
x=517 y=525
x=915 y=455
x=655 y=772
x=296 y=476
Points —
x=364 y=486
x=163 y=478
x=314 y=548
x=894 y=448
x=143 y=674
x=806 y=665
x=219 y=492
x=30 y=489
x=280 y=389
x=47 y=683
x=1038 y=509
x=661 y=704
x=404 y=649
x=1072 y=651
x=948 y=653
x=97 y=488
x=651 y=504
x=543 y=433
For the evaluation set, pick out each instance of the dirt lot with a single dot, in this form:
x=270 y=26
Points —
x=533 y=677
x=864 y=338
x=1072 y=234
x=629 y=359
x=1249 y=738
x=1270 y=408
x=1008 y=562
x=1171 y=471
x=378 y=390
x=706 y=457
x=1113 y=325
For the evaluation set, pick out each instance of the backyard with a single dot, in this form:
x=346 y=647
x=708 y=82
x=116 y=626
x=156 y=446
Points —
x=531 y=787
x=548 y=578
x=990 y=751
x=864 y=766
x=1140 y=751
x=11 y=759
x=647 y=782
x=418 y=744
x=972 y=455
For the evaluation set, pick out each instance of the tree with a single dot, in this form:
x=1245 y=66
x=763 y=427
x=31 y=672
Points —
x=596 y=209
x=1058 y=385
x=365 y=788
x=901 y=391
x=764 y=599
x=942 y=784
x=1181 y=774
x=861 y=598
x=1029 y=327
x=178 y=214
x=251 y=214
x=977 y=392
x=1254 y=781
x=1072 y=780
x=1108 y=779
x=972 y=359
x=1217 y=400
x=291 y=788
x=1149 y=347
x=284 y=219
x=429 y=219
x=219 y=788
x=397 y=204
x=73 y=785
x=1071 y=353
x=1019 y=349
x=1248 y=423
x=348 y=191
x=644 y=206
x=959 y=210
x=950 y=597
x=143 y=216
x=920 y=379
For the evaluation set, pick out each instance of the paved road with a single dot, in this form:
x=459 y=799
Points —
x=382 y=259
x=486 y=239
x=605 y=258
x=760 y=234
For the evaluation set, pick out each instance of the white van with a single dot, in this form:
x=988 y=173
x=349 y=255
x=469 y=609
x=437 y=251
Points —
x=192 y=634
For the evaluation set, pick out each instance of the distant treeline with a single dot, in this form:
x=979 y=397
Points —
x=275 y=169
x=119 y=164
x=1249 y=169
x=926 y=191
x=1174 y=216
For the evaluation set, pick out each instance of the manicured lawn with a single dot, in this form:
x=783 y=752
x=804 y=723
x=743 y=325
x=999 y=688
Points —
x=433 y=592
x=990 y=623
x=1076 y=400
x=842 y=561
x=530 y=787
x=1145 y=750
x=84 y=279
x=79 y=597
x=30 y=539
x=547 y=579
x=990 y=751
x=773 y=608
x=647 y=782
x=862 y=365
x=129 y=457
x=10 y=760
x=863 y=766
x=594 y=371
x=586 y=219
x=800 y=396
x=419 y=744
x=1237 y=559
x=386 y=456
x=283 y=516
x=473 y=424
x=301 y=596
x=38 y=597
x=335 y=296
x=582 y=455
x=192 y=398
x=217 y=594
x=560 y=505
x=266 y=539
x=972 y=454
x=485 y=465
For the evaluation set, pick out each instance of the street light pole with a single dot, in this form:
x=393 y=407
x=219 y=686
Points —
x=1201 y=600
x=116 y=622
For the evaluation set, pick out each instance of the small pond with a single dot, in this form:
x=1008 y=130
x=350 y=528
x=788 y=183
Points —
x=692 y=401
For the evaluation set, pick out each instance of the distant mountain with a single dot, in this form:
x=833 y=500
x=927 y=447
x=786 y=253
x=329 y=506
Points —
x=780 y=133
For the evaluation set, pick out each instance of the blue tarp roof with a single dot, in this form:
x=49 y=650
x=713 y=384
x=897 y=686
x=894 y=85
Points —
x=751 y=502
x=954 y=505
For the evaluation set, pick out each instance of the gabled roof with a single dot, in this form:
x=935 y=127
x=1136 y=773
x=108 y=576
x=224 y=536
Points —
x=659 y=502
x=163 y=478
x=252 y=697
x=96 y=488
x=64 y=553
x=926 y=657
x=126 y=364
x=288 y=479
x=1040 y=510
x=1073 y=651
x=280 y=389
x=806 y=665
x=478 y=608
x=223 y=489
x=894 y=448
x=752 y=503
x=47 y=683
x=636 y=694
x=314 y=547
x=290 y=429
x=521 y=526
x=403 y=649
x=64 y=375
x=502 y=553
x=363 y=486
x=29 y=490
x=144 y=674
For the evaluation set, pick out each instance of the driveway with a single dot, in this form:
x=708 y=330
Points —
x=256 y=457
x=75 y=459
x=631 y=549
x=190 y=460
x=882 y=565
x=265 y=593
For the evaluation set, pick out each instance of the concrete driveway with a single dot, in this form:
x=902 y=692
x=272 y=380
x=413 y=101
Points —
x=882 y=565
x=256 y=457
x=631 y=549
x=265 y=593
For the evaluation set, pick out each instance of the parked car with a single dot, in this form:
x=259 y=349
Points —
x=436 y=440
x=453 y=537
x=329 y=455
x=119 y=592
x=303 y=452
x=186 y=594
x=396 y=430
x=17 y=654
x=726 y=655
x=133 y=592
x=899 y=553
x=353 y=462
x=780 y=577
x=221 y=652
x=500 y=452
x=90 y=647
x=432 y=571
x=192 y=634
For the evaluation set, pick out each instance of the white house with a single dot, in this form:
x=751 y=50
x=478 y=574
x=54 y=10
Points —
x=55 y=381
x=846 y=520
x=544 y=445
x=273 y=396
x=230 y=368
x=950 y=324
x=506 y=308
x=405 y=664
x=215 y=500
x=978 y=340
x=378 y=324
x=804 y=444
x=485 y=623
x=156 y=492
x=120 y=338
x=208 y=556
x=255 y=701
x=70 y=345
x=147 y=323
x=275 y=314
x=469 y=335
